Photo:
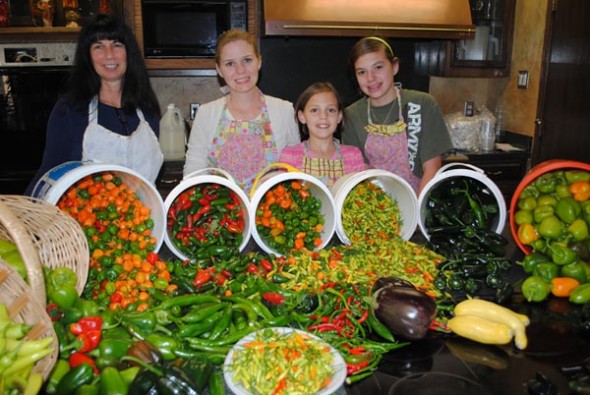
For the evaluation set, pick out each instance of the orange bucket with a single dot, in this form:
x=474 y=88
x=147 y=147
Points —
x=535 y=172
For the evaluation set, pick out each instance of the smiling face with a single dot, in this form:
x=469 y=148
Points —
x=321 y=114
x=239 y=66
x=109 y=59
x=374 y=74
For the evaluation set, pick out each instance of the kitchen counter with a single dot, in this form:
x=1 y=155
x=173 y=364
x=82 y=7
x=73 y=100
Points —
x=558 y=348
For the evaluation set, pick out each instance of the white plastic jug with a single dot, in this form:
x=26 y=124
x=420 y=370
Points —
x=172 y=134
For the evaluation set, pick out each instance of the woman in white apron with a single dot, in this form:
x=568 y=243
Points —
x=110 y=113
x=399 y=130
x=245 y=130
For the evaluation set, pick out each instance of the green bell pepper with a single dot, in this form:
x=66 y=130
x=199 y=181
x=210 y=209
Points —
x=578 y=229
x=81 y=374
x=111 y=350
x=547 y=200
x=546 y=271
x=563 y=191
x=529 y=191
x=586 y=210
x=166 y=345
x=542 y=212
x=534 y=289
x=551 y=227
x=64 y=296
x=575 y=270
x=546 y=183
x=60 y=369
x=530 y=262
x=528 y=203
x=197 y=368
x=576 y=175
x=87 y=389
x=144 y=322
x=568 y=210
x=581 y=294
x=111 y=382
x=562 y=254
x=523 y=217
x=87 y=307
x=539 y=245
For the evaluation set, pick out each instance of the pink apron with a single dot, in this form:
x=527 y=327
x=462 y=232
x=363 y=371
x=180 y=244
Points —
x=243 y=148
x=387 y=147
x=327 y=170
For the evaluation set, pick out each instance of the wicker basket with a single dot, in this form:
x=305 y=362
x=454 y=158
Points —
x=23 y=307
x=45 y=236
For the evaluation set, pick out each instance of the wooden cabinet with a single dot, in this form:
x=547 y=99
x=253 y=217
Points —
x=486 y=55
x=134 y=19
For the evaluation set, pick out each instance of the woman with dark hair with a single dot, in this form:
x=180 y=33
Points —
x=399 y=130
x=110 y=113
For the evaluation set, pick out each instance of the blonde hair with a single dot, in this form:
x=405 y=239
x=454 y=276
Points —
x=232 y=35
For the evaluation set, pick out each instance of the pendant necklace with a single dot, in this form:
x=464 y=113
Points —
x=385 y=129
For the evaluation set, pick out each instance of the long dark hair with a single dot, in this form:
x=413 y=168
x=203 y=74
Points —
x=84 y=82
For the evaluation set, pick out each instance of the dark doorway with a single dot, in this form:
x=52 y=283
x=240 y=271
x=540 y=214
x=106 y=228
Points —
x=563 y=126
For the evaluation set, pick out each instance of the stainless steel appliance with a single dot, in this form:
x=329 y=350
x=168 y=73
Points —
x=31 y=78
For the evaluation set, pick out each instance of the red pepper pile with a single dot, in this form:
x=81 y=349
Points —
x=206 y=215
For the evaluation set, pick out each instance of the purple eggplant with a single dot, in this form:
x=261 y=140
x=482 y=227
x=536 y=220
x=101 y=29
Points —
x=407 y=312
x=391 y=281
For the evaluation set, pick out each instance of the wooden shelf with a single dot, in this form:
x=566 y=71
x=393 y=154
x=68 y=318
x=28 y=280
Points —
x=39 y=34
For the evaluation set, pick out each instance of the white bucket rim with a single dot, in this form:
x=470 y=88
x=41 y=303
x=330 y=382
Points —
x=278 y=177
x=82 y=169
x=189 y=182
x=477 y=174
x=408 y=227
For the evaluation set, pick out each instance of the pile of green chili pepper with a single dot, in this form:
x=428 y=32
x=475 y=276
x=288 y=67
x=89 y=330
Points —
x=204 y=219
x=368 y=212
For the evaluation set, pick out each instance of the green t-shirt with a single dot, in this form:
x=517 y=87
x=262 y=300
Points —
x=427 y=133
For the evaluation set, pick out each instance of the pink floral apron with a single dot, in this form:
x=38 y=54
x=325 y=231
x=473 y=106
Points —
x=387 y=147
x=243 y=148
x=327 y=170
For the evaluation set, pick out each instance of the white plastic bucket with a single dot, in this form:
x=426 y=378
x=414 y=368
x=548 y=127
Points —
x=209 y=176
x=469 y=171
x=267 y=180
x=395 y=186
x=58 y=180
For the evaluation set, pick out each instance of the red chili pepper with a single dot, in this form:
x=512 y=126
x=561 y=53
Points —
x=364 y=316
x=327 y=285
x=273 y=297
x=86 y=324
x=79 y=358
x=89 y=339
x=325 y=327
x=152 y=257
x=266 y=265
x=202 y=277
x=252 y=268
x=220 y=278
x=359 y=350
x=355 y=367
x=117 y=297
x=54 y=312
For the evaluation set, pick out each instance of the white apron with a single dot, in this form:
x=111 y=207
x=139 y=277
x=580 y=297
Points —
x=140 y=151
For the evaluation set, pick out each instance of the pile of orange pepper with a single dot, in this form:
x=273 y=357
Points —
x=118 y=227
